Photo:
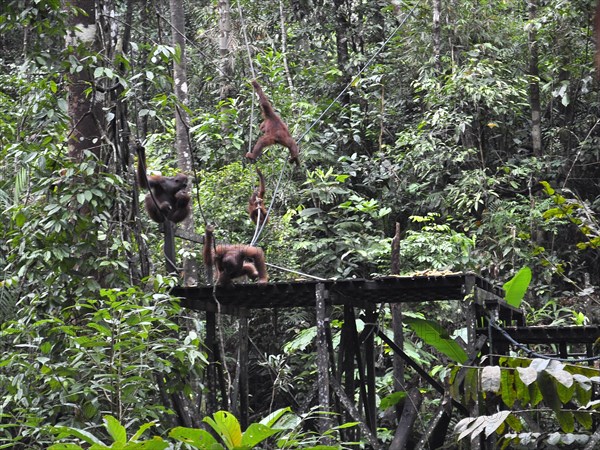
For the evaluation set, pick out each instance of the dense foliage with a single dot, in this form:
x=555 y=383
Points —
x=398 y=122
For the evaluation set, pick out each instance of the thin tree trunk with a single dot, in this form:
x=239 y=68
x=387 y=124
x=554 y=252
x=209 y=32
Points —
x=534 y=85
x=226 y=65
x=437 y=35
x=342 y=28
x=182 y=144
x=284 y=48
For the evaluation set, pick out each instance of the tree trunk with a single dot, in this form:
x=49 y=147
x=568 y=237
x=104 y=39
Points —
x=284 y=48
x=182 y=141
x=84 y=110
x=534 y=85
x=342 y=27
x=437 y=36
x=226 y=65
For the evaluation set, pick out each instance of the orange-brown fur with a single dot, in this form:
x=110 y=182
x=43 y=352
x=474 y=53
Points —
x=231 y=261
x=274 y=130
x=256 y=203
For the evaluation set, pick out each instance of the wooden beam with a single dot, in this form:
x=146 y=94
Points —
x=211 y=377
x=322 y=358
x=169 y=247
x=370 y=327
x=243 y=368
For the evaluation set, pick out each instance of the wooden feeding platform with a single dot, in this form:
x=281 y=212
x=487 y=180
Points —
x=352 y=365
x=356 y=355
x=359 y=293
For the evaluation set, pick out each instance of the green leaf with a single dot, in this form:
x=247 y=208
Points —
x=516 y=287
x=521 y=390
x=514 y=423
x=65 y=447
x=272 y=418
x=141 y=430
x=195 y=437
x=115 y=429
x=257 y=433
x=227 y=426
x=584 y=418
x=392 y=400
x=472 y=386
x=86 y=436
x=436 y=336
x=547 y=385
x=301 y=341
x=566 y=420
x=508 y=393
x=20 y=219
x=155 y=444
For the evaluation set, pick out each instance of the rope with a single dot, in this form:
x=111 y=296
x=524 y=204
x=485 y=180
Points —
x=258 y=211
x=246 y=38
x=530 y=352
x=296 y=272
x=303 y=135
x=367 y=64
x=257 y=236
x=250 y=128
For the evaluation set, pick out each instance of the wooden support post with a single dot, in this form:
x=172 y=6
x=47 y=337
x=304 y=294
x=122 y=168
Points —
x=348 y=341
x=211 y=369
x=471 y=308
x=243 y=368
x=371 y=317
x=169 y=247
x=361 y=370
x=322 y=357
x=471 y=319
x=396 y=310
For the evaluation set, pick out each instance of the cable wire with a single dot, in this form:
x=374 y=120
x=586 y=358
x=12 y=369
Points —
x=530 y=352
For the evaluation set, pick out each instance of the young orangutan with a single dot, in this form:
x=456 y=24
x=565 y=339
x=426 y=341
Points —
x=274 y=130
x=167 y=198
x=232 y=262
x=256 y=203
